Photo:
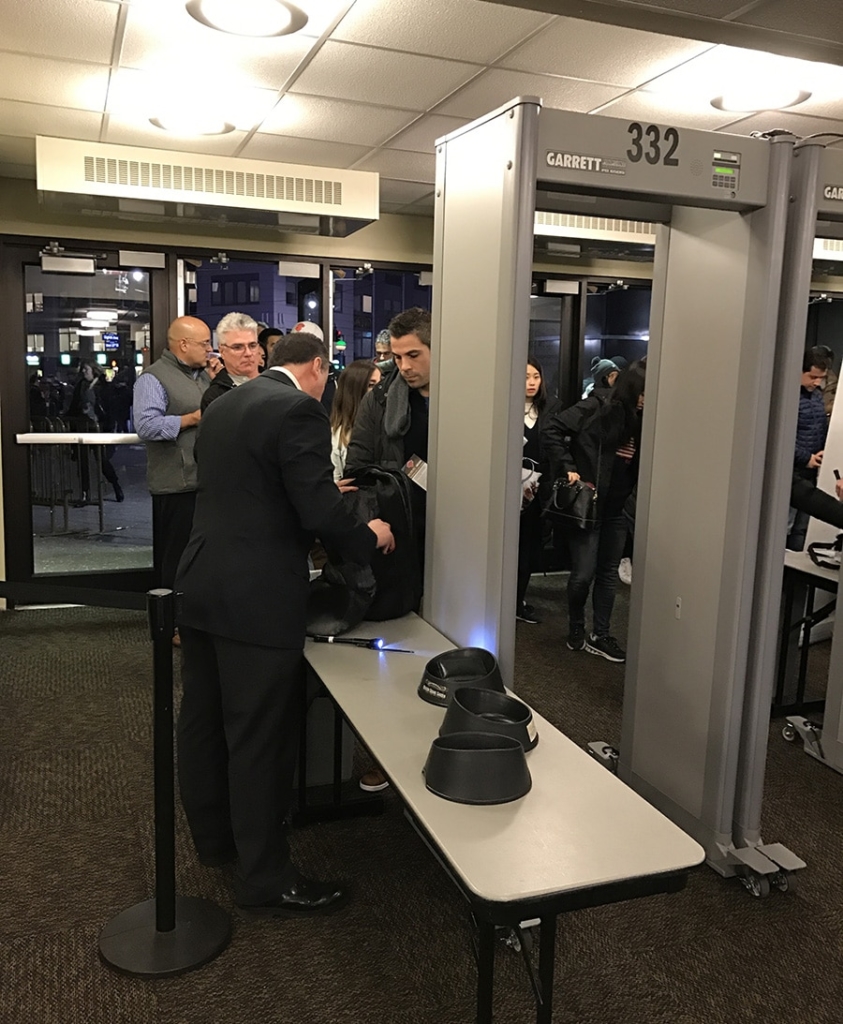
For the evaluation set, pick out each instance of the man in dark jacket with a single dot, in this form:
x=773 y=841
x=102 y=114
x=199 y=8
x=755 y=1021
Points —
x=391 y=425
x=806 y=498
x=240 y=351
x=265 y=489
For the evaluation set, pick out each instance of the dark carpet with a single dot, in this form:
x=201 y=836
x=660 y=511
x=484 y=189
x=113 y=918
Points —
x=75 y=816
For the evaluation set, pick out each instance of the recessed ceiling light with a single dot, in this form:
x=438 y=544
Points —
x=192 y=122
x=749 y=96
x=103 y=314
x=93 y=323
x=249 y=17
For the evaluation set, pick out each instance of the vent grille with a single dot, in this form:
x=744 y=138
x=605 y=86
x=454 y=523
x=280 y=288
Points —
x=576 y=225
x=828 y=249
x=210 y=181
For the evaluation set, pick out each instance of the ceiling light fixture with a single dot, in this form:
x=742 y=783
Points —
x=760 y=81
x=248 y=17
x=192 y=122
x=103 y=314
x=102 y=325
x=747 y=96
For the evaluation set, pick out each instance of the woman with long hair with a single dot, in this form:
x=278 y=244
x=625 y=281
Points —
x=354 y=383
x=601 y=447
x=537 y=408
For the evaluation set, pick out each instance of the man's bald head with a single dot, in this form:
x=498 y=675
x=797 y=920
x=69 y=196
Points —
x=189 y=339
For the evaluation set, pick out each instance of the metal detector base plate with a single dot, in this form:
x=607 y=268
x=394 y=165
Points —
x=780 y=855
x=131 y=943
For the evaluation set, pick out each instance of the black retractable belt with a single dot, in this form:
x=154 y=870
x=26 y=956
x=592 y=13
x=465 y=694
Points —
x=169 y=934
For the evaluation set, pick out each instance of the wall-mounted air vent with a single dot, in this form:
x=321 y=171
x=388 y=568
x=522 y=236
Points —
x=828 y=249
x=569 y=225
x=91 y=168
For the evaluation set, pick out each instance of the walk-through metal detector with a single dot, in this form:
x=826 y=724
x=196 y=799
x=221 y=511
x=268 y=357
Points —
x=818 y=195
x=721 y=204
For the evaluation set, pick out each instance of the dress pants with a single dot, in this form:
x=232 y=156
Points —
x=172 y=521
x=238 y=736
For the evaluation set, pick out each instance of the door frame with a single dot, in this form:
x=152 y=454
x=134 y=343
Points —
x=124 y=589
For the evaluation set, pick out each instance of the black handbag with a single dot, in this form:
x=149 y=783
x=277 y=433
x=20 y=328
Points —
x=572 y=504
x=827 y=556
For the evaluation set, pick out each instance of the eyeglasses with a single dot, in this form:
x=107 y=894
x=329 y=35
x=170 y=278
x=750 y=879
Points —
x=195 y=341
x=251 y=346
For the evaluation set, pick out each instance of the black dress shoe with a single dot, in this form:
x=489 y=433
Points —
x=304 y=896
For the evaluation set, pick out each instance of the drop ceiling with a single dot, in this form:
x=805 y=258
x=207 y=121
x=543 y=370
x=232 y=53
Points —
x=370 y=84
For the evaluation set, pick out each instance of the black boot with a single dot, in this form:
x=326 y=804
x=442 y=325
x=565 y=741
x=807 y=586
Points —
x=118 y=492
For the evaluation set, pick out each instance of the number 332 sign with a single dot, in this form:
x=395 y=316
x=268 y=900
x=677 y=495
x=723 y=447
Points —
x=650 y=144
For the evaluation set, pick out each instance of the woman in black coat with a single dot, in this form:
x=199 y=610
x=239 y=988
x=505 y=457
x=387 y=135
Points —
x=537 y=409
x=599 y=445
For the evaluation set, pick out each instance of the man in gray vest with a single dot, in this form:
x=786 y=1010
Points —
x=166 y=413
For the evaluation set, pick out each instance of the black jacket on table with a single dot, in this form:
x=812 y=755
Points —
x=266 y=489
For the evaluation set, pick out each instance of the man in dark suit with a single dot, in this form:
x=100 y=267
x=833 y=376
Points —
x=265 y=489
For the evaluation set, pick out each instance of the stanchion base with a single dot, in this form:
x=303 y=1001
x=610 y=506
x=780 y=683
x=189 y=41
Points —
x=131 y=943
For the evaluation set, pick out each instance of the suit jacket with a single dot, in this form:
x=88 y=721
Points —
x=265 y=490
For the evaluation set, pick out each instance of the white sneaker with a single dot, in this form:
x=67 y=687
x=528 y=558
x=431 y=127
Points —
x=625 y=571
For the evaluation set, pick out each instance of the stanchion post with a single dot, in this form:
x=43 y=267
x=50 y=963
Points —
x=161 y=609
x=169 y=934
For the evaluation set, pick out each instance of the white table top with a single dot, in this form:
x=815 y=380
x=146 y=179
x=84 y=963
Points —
x=77 y=438
x=579 y=826
x=801 y=561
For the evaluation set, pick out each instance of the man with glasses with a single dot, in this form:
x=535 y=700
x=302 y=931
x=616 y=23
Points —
x=241 y=353
x=167 y=401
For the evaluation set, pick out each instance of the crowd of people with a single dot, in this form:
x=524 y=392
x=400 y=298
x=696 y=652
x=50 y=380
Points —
x=239 y=503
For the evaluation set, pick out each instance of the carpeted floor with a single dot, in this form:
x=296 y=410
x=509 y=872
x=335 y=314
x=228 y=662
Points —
x=75 y=818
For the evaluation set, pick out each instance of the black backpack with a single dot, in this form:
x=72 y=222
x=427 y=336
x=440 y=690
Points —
x=381 y=494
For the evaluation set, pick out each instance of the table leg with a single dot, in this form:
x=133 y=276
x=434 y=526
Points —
x=805 y=633
x=547 y=961
x=485 y=972
x=784 y=641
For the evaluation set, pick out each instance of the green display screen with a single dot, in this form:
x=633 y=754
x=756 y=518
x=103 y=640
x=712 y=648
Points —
x=724 y=170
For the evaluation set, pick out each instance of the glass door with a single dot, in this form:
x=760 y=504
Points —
x=78 y=520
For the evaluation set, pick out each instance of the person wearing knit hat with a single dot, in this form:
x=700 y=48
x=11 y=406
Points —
x=604 y=373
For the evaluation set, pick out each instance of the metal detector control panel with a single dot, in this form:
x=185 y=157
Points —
x=684 y=166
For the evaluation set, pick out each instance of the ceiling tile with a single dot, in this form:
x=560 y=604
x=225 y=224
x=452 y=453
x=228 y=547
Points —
x=601 y=53
x=421 y=137
x=317 y=117
x=662 y=108
x=17 y=157
x=31 y=119
x=403 y=192
x=495 y=87
x=768 y=120
x=302 y=151
x=469 y=30
x=53 y=82
x=393 y=163
x=60 y=28
x=368 y=75
x=128 y=132
x=160 y=32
